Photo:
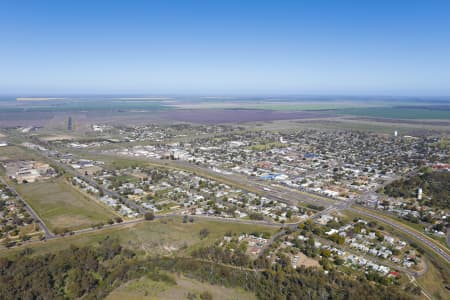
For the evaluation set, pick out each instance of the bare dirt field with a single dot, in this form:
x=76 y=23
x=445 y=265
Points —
x=304 y=260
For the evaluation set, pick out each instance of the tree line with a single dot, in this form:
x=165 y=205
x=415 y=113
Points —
x=93 y=272
x=435 y=187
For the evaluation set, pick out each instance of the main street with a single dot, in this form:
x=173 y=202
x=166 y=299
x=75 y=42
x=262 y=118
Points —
x=247 y=183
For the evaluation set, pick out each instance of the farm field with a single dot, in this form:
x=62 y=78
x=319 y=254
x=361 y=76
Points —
x=417 y=113
x=145 y=288
x=413 y=128
x=62 y=207
x=219 y=116
x=289 y=106
x=278 y=103
x=386 y=126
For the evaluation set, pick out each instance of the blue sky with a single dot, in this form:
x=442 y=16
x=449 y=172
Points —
x=279 y=47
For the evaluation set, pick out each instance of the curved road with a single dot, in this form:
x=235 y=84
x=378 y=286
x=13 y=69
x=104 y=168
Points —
x=406 y=230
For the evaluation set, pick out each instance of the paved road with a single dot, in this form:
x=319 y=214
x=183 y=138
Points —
x=92 y=182
x=108 y=192
x=270 y=241
x=234 y=220
x=247 y=183
x=290 y=225
x=265 y=188
x=141 y=220
x=406 y=230
x=36 y=217
x=111 y=193
x=282 y=194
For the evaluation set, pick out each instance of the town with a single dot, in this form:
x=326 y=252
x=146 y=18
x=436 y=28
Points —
x=301 y=181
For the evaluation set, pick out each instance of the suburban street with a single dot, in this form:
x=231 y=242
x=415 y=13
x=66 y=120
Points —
x=406 y=230
x=276 y=192
x=36 y=217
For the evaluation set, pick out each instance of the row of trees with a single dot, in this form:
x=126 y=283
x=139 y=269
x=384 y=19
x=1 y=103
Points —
x=283 y=282
x=68 y=274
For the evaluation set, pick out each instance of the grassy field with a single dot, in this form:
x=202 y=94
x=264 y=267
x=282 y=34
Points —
x=432 y=282
x=15 y=153
x=61 y=206
x=163 y=236
x=410 y=127
x=145 y=288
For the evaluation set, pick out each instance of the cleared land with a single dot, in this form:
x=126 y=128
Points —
x=15 y=153
x=61 y=206
x=432 y=282
x=145 y=288
x=163 y=236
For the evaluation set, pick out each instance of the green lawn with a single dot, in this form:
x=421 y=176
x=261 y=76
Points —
x=61 y=206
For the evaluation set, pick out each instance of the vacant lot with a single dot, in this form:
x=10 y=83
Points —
x=15 y=153
x=163 y=237
x=145 y=288
x=61 y=206
x=433 y=283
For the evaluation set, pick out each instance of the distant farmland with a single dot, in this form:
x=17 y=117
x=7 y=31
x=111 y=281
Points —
x=217 y=116
x=420 y=112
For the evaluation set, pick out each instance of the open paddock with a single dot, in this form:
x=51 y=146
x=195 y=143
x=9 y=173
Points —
x=160 y=237
x=146 y=288
x=61 y=206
